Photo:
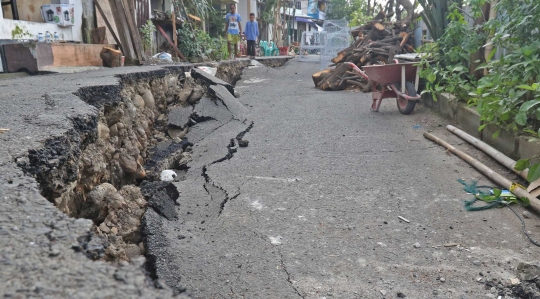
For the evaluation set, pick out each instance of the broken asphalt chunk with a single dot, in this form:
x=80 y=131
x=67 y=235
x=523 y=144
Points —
x=211 y=80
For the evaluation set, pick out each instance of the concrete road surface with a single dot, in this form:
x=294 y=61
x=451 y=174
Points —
x=310 y=208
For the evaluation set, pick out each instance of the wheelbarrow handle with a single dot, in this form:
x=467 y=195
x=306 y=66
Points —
x=357 y=70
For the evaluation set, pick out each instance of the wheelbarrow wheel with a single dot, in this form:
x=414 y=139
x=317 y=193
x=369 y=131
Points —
x=405 y=106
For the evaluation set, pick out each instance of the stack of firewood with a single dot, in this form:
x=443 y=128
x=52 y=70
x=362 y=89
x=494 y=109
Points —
x=376 y=42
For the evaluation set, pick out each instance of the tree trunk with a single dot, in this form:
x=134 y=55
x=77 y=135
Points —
x=408 y=6
x=334 y=81
x=110 y=57
x=319 y=76
x=478 y=55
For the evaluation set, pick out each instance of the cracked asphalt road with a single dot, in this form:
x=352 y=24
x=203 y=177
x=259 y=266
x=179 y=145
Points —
x=312 y=204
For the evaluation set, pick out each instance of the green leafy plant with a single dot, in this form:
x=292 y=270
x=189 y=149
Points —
x=445 y=68
x=435 y=15
x=509 y=94
x=20 y=32
x=147 y=32
x=197 y=43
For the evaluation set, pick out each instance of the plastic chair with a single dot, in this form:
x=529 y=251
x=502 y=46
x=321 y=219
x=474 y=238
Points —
x=262 y=47
x=268 y=49
x=274 y=51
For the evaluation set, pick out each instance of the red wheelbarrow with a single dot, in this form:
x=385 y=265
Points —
x=392 y=81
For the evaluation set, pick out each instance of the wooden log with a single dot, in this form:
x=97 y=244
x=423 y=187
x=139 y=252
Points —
x=319 y=76
x=390 y=39
x=379 y=45
x=111 y=57
x=488 y=172
x=404 y=40
x=379 y=26
x=381 y=15
x=353 y=82
x=342 y=56
x=333 y=82
x=409 y=48
x=391 y=54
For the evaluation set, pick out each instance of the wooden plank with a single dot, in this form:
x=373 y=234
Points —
x=134 y=33
x=169 y=41
x=123 y=32
x=175 y=35
x=99 y=35
x=109 y=25
x=104 y=16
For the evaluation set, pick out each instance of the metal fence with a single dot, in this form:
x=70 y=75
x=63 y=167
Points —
x=336 y=37
x=311 y=46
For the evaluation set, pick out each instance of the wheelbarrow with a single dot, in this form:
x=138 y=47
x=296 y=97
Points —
x=392 y=81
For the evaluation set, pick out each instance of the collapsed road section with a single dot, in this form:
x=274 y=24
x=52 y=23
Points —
x=80 y=173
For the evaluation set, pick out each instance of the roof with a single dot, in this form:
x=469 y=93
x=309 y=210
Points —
x=291 y=11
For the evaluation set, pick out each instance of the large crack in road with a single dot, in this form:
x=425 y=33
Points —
x=310 y=208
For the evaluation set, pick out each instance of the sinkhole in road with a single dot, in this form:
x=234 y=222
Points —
x=107 y=166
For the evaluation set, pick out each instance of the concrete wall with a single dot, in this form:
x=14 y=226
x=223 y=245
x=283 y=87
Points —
x=7 y=25
x=517 y=147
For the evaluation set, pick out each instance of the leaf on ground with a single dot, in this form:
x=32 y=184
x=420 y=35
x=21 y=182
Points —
x=534 y=173
x=522 y=164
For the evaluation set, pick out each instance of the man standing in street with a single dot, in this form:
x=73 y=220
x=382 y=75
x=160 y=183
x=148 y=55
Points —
x=232 y=30
x=252 y=33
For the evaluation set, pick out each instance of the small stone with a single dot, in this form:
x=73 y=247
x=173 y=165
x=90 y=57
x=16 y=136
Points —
x=103 y=131
x=104 y=228
x=132 y=251
x=243 y=143
x=526 y=214
x=383 y=292
x=183 y=94
x=149 y=99
x=113 y=130
x=514 y=281
x=435 y=292
x=138 y=101
x=477 y=263
x=441 y=279
x=114 y=230
x=401 y=295
x=128 y=163
x=417 y=245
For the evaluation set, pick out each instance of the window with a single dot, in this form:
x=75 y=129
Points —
x=298 y=4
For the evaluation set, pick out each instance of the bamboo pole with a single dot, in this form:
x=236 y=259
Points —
x=493 y=153
x=490 y=173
